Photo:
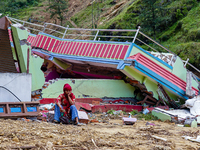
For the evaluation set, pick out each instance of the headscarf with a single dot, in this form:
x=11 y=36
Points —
x=67 y=87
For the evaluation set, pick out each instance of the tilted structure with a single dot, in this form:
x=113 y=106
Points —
x=107 y=54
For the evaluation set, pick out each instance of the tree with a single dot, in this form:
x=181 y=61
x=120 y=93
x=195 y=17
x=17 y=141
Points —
x=153 y=15
x=58 y=8
x=11 y=7
x=149 y=16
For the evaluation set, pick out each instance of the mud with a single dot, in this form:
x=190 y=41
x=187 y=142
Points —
x=108 y=136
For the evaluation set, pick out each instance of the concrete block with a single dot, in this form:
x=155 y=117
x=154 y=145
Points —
x=129 y=121
x=161 y=116
x=83 y=117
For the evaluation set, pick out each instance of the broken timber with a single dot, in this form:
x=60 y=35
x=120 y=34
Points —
x=165 y=97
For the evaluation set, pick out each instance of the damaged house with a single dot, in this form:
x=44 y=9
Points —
x=101 y=65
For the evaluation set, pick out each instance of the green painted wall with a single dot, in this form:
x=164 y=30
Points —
x=131 y=72
x=19 y=34
x=61 y=64
x=150 y=84
x=14 y=53
x=178 y=68
x=94 y=88
x=161 y=116
x=180 y=71
x=37 y=75
x=34 y=63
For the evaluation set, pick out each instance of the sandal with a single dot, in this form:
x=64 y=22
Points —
x=56 y=121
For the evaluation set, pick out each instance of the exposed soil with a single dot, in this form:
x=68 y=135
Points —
x=74 y=6
x=43 y=15
x=109 y=135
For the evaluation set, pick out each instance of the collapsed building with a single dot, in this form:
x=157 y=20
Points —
x=98 y=65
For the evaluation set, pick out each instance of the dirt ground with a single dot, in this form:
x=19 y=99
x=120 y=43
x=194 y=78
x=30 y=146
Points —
x=74 y=6
x=16 y=134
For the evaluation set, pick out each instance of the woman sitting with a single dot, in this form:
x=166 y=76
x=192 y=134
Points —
x=65 y=104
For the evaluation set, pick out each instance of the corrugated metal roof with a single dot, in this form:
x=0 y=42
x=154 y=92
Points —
x=7 y=63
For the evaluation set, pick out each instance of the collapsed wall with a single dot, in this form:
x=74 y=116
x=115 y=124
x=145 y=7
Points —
x=14 y=86
x=157 y=78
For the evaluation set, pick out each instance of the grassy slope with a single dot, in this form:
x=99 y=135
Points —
x=84 y=17
x=185 y=37
x=181 y=37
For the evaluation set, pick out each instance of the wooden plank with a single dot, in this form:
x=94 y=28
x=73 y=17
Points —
x=6 y=57
x=19 y=109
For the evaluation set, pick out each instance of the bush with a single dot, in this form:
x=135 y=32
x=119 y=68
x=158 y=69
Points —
x=179 y=15
x=179 y=25
x=140 y=115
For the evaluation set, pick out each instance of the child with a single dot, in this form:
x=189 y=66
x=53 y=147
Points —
x=65 y=103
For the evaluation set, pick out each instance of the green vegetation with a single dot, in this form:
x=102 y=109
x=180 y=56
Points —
x=111 y=112
x=58 y=8
x=12 y=7
x=114 y=112
x=89 y=17
x=140 y=115
x=175 y=24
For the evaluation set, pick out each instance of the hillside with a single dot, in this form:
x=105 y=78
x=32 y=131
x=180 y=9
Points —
x=173 y=23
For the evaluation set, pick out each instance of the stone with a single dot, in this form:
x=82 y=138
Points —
x=15 y=139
